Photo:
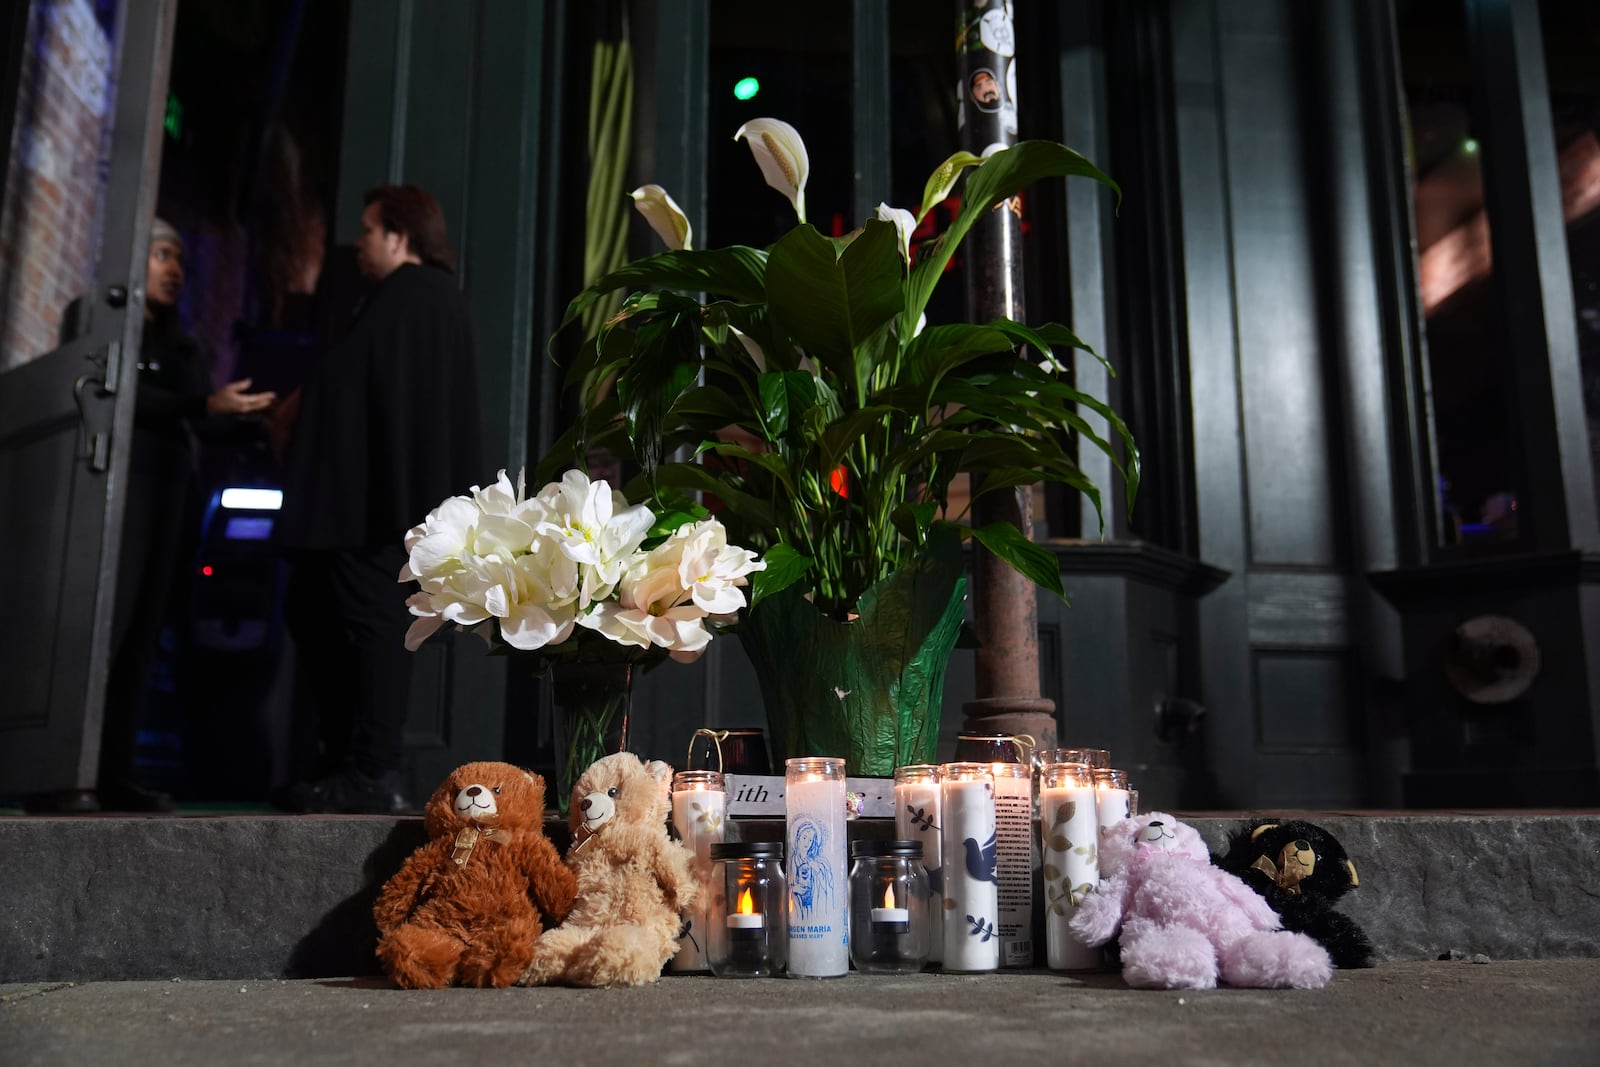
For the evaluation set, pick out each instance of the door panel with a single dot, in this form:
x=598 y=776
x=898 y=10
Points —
x=65 y=428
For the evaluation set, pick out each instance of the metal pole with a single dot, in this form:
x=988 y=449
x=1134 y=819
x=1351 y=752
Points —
x=1005 y=611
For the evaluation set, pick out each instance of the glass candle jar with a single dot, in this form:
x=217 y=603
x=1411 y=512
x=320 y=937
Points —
x=888 y=907
x=1112 y=800
x=819 y=902
x=699 y=814
x=971 y=905
x=1091 y=757
x=917 y=818
x=1068 y=831
x=747 y=929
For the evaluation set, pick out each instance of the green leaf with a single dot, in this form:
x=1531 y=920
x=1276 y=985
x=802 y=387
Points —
x=785 y=566
x=784 y=396
x=999 y=178
x=1058 y=843
x=912 y=520
x=735 y=271
x=1029 y=560
x=1065 y=812
x=1051 y=873
x=830 y=303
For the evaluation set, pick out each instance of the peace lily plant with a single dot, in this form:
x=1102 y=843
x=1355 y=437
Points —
x=796 y=389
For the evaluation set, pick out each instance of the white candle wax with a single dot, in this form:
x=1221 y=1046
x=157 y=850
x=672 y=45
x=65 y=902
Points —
x=971 y=905
x=1068 y=831
x=1112 y=805
x=819 y=920
x=699 y=816
x=741 y=921
x=891 y=915
x=917 y=818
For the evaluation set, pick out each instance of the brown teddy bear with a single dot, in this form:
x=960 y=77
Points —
x=467 y=906
x=633 y=880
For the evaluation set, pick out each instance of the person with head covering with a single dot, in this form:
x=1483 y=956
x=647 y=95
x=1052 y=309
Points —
x=387 y=425
x=175 y=398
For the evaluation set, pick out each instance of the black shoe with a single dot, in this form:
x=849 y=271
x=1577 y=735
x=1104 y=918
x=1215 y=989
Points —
x=346 y=792
x=128 y=796
x=62 y=802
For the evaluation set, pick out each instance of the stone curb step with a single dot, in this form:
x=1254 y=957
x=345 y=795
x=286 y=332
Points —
x=110 y=899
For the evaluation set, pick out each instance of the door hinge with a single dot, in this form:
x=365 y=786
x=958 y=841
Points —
x=99 y=452
x=113 y=367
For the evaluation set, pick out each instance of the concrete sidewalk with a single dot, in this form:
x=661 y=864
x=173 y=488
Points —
x=1446 y=1013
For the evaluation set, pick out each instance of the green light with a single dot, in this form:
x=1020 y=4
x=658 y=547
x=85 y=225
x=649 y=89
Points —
x=746 y=88
x=173 y=122
x=1470 y=146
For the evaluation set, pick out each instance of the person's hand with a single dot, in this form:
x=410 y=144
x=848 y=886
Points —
x=234 y=399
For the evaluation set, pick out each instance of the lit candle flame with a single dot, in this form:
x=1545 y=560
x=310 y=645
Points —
x=747 y=905
x=888 y=895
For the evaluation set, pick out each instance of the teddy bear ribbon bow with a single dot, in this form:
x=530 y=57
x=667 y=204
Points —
x=467 y=840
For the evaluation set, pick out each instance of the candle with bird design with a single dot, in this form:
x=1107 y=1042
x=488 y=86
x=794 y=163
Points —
x=971 y=890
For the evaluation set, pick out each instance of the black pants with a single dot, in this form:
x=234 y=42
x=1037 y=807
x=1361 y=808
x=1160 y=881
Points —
x=153 y=538
x=347 y=614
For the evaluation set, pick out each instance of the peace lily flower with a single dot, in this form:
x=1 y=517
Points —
x=781 y=154
x=904 y=222
x=664 y=216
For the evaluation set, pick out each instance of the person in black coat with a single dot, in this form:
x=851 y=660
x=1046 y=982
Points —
x=386 y=427
x=175 y=402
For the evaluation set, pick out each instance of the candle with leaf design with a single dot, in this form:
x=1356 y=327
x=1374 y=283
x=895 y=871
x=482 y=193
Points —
x=1069 y=838
x=916 y=818
x=699 y=814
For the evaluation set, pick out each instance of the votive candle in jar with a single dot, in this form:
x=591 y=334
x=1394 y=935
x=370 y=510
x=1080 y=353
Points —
x=1069 y=841
x=819 y=898
x=699 y=813
x=1013 y=801
x=1112 y=801
x=971 y=905
x=746 y=907
x=888 y=907
x=916 y=818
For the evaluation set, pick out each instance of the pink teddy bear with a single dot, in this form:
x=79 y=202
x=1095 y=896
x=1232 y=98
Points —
x=1186 y=924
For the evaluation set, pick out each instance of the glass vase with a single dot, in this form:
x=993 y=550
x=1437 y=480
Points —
x=588 y=707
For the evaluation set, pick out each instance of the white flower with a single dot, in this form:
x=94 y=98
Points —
x=536 y=599
x=904 y=223
x=711 y=570
x=592 y=525
x=781 y=154
x=664 y=216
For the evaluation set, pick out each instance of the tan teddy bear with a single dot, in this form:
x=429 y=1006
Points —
x=467 y=906
x=633 y=880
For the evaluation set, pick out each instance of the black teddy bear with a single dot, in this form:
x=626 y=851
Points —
x=1301 y=869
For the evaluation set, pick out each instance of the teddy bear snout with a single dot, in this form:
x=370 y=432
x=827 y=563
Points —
x=475 y=802
x=597 y=810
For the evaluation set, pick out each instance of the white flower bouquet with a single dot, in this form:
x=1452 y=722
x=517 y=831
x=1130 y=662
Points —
x=541 y=574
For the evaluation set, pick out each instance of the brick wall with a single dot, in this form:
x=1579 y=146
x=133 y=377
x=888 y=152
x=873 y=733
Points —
x=55 y=185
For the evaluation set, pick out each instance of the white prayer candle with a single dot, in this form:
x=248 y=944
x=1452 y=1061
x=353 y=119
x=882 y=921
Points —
x=1112 y=799
x=1013 y=801
x=819 y=893
x=971 y=905
x=916 y=818
x=699 y=814
x=1069 y=841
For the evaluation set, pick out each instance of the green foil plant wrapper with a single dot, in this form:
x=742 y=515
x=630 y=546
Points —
x=869 y=689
